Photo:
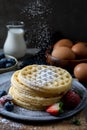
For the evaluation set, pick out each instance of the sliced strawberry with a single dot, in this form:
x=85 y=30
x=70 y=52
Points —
x=71 y=99
x=55 y=109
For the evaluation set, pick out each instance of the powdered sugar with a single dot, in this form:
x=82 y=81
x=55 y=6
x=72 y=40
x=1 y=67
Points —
x=37 y=8
x=45 y=75
x=37 y=12
x=41 y=77
x=11 y=124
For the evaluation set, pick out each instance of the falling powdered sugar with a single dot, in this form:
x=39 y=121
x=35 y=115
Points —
x=37 y=8
x=37 y=12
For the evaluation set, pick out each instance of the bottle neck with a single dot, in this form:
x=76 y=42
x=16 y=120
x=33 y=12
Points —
x=16 y=32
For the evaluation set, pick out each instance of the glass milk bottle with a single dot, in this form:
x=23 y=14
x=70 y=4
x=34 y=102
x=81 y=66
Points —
x=15 y=44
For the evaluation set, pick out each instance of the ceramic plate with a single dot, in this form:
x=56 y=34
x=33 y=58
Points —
x=40 y=116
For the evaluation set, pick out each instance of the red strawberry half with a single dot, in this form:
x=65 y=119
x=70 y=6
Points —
x=71 y=99
x=55 y=109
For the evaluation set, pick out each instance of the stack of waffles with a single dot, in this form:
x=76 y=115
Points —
x=35 y=87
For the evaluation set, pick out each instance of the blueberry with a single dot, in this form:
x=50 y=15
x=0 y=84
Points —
x=2 y=65
x=2 y=93
x=8 y=65
x=2 y=55
x=9 y=106
x=11 y=60
x=4 y=60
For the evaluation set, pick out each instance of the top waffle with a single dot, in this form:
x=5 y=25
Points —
x=45 y=78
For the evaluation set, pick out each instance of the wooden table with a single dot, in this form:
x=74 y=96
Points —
x=8 y=124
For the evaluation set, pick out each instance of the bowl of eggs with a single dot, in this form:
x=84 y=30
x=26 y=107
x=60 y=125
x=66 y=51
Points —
x=7 y=63
x=67 y=55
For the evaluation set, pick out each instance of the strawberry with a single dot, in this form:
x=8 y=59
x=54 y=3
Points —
x=5 y=98
x=55 y=109
x=71 y=99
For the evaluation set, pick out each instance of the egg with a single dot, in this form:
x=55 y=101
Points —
x=63 y=42
x=80 y=50
x=64 y=53
x=80 y=72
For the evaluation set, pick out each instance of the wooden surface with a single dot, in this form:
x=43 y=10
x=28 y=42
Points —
x=9 y=124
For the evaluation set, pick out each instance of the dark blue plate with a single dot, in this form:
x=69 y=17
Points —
x=42 y=116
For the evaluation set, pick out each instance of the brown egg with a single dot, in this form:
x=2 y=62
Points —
x=80 y=72
x=63 y=53
x=80 y=50
x=63 y=42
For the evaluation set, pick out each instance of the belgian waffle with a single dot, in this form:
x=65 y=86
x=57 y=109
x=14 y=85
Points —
x=29 y=102
x=37 y=86
x=20 y=87
x=45 y=78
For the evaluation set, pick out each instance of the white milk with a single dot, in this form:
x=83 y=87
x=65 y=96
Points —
x=15 y=44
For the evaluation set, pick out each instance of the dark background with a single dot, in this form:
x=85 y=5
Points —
x=46 y=20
